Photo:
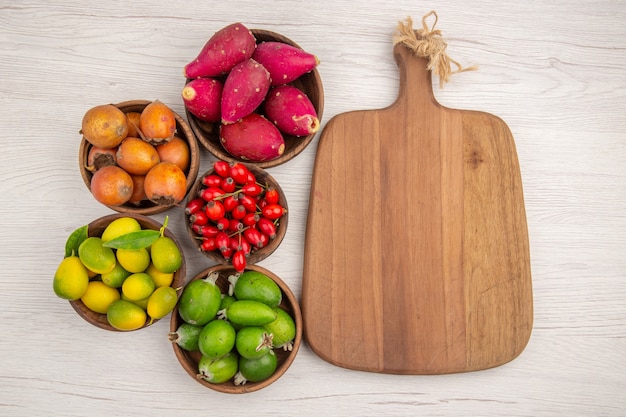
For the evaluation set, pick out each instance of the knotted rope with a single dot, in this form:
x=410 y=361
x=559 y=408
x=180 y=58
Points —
x=428 y=43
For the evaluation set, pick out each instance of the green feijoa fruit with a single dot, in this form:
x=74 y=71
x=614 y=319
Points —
x=256 y=370
x=216 y=339
x=227 y=300
x=253 y=285
x=186 y=336
x=249 y=313
x=253 y=342
x=200 y=301
x=283 y=330
x=218 y=370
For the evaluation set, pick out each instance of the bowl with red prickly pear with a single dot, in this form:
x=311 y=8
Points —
x=236 y=214
x=121 y=272
x=253 y=96
x=236 y=332
x=137 y=156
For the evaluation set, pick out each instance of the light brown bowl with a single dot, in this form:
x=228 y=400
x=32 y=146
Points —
x=255 y=256
x=310 y=84
x=182 y=130
x=189 y=359
x=96 y=228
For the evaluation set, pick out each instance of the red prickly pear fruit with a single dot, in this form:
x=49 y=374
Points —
x=253 y=138
x=203 y=98
x=244 y=90
x=225 y=49
x=284 y=62
x=291 y=111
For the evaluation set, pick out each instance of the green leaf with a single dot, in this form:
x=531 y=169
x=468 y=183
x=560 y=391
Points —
x=134 y=240
x=74 y=240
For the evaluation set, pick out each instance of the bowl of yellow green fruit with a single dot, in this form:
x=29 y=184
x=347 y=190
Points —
x=121 y=272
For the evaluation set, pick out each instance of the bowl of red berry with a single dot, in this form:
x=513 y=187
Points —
x=236 y=214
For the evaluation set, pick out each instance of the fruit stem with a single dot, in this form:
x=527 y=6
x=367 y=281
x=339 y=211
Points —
x=212 y=277
x=239 y=232
x=267 y=341
x=239 y=379
x=165 y=222
x=287 y=347
x=232 y=280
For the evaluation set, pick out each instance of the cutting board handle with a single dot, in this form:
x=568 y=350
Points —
x=418 y=53
x=416 y=89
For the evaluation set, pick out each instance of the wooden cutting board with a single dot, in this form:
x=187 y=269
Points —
x=416 y=254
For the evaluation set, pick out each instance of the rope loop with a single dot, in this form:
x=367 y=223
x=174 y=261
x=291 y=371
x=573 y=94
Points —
x=427 y=42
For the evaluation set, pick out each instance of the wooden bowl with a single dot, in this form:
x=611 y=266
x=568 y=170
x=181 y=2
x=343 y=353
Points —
x=310 y=84
x=183 y=131
x=96 y=228
x=189 y=359
x=255 y=256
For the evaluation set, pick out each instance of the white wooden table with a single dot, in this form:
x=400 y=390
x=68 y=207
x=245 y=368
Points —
x=554 y=71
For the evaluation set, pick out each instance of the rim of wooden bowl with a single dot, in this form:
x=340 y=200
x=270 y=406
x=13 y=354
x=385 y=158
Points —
x=96 y=228
x=183 y=130
x=189 y=360
x=208 y=133
x=262 y=177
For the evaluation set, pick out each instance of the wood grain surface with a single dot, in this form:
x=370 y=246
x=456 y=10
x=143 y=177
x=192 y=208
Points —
x=416 y=252
x=553 y=71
